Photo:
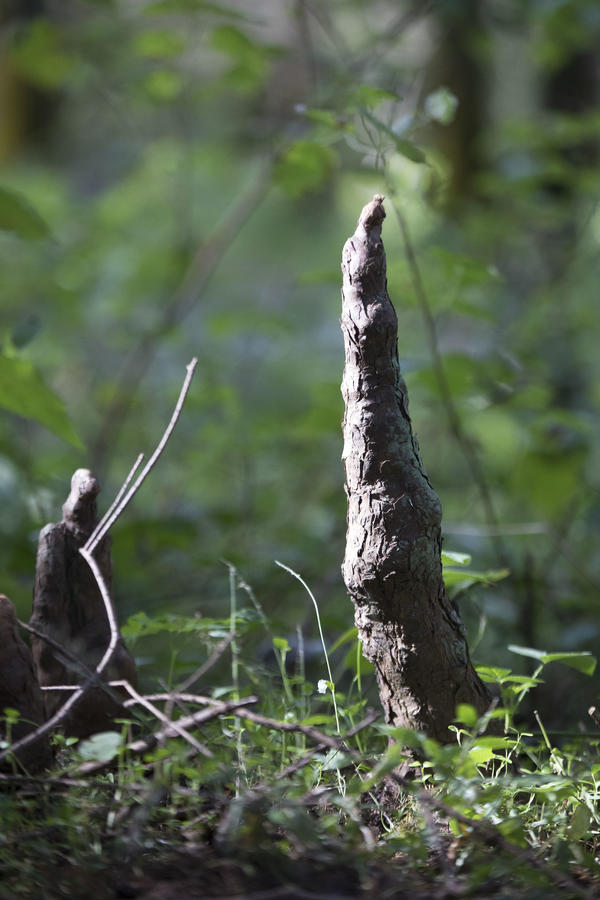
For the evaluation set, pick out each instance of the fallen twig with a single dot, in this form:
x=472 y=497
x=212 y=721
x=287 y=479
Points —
x=139 y=747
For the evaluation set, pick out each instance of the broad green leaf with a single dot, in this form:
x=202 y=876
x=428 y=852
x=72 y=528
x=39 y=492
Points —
x=527 y=651
x=582 y=661
x=466 y=577
x=18 y=216
x=579 y=822
x=466 y=714
x=23 y=391
x=492 y=674
x=480 y=755
x=102 y=747
x=452 y=558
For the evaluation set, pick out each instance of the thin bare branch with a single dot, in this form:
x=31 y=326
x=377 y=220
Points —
x=210 y=662
x=145 y=702
x=92 y=538
x=139 y=747
x=108 y=521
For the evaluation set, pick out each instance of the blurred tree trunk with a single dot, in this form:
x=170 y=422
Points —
x=409 y=628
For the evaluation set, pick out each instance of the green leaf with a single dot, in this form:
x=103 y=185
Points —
x=18 y=216
x=527 y=651
x=582 y=661
x=466 y=714
x=466 y=578
x=23 y=391
x=480 y=755
x=452 y=558
x=102 y=747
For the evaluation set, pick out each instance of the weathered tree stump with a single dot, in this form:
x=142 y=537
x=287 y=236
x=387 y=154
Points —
x=409 y=629
x=68 y=607
x=19 y=689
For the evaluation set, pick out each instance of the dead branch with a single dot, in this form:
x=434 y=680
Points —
x=139 y=747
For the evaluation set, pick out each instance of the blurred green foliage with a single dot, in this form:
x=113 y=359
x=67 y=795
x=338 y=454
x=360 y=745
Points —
x=179 y=178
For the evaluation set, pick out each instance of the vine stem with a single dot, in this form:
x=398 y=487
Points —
x=455 y=424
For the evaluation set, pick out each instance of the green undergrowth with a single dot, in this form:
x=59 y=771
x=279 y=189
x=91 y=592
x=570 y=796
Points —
x=288 y=798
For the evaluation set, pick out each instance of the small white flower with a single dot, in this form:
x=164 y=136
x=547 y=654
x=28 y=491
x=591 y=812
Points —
x=322 y=686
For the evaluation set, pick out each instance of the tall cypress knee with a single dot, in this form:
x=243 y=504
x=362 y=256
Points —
x=409 y=628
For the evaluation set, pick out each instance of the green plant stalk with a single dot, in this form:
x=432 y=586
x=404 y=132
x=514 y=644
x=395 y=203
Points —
x=235 y=671
x=312 y=597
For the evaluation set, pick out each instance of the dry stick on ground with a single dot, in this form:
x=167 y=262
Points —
x=158 y=714
x=86 y=552
x=409 y=628
x=194 y=283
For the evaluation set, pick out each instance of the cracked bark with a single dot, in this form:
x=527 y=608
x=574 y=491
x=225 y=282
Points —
x=410 y=630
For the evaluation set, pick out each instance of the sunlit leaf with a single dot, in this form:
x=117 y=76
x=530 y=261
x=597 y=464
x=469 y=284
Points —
x=466 y=577
x=466 y=714
x=583 y=661
x=453 y=558
x=101 y=747
x=441 y=105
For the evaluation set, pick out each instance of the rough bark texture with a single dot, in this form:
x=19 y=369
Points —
x=68 y=607
x=19 y=689
x=410 y=630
